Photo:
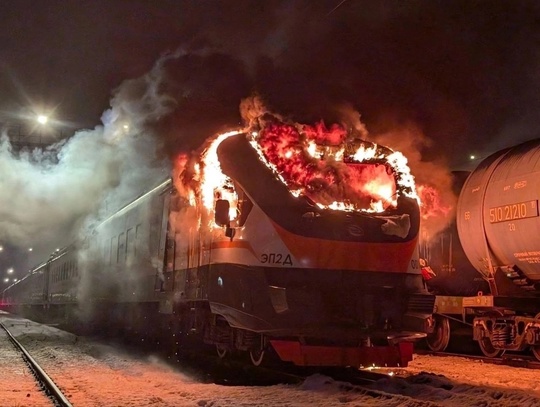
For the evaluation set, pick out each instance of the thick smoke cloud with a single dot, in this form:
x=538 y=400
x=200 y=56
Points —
x=47 y=197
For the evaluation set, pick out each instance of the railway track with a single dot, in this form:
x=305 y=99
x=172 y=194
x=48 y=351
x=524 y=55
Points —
x=43 y=381
x=85 y=371
x=514 y=360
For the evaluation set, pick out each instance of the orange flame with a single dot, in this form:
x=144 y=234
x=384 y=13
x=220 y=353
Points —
x=312 y=161
x=321 y=164
x=431 y=205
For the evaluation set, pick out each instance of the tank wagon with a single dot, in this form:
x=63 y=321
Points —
x=497 y=221
x=262 y=271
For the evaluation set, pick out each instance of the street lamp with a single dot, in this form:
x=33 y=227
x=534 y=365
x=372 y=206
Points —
x=10 y=270
x=42 y=120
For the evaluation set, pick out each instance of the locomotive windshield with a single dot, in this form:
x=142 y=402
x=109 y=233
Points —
x=362 y=186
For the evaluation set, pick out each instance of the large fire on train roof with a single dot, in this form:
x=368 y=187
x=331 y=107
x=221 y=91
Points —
x=328 y=165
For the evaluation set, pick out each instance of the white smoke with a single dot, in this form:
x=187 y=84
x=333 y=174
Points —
x=48 y=198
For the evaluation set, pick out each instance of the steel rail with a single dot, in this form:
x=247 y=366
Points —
x=51 y=389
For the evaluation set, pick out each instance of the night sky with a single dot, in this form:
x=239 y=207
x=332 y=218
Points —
x=465 y=73
x=438 y=80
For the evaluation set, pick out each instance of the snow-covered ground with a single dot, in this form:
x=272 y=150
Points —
x=93 y=374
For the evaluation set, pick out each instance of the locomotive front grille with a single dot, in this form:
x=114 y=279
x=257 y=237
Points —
x=421 y=303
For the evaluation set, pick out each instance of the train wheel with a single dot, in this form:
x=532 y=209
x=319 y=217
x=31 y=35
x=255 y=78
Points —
x=536 y=352
x=439 y=339
x=221 y=351
x=536 y=349
x=257 y=356
x=488 y=349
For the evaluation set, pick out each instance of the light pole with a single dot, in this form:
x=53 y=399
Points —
x=42 y=122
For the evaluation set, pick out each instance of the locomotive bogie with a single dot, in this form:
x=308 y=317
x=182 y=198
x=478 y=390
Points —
x=513 y=333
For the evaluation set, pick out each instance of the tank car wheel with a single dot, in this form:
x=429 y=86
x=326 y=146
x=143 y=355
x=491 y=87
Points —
x=488 y=349
x=439 y=339
x=221 y=351
x=257 y=356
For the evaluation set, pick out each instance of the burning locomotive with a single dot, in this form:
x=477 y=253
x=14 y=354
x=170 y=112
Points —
x=489 y=278
x=291 y=239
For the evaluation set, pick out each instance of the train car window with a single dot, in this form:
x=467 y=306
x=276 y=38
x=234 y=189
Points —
x=106 y=249
x=130 y=245
x=114 y=245
x=138 y=238
x=121 y=248
x=244 y=206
